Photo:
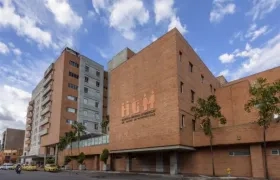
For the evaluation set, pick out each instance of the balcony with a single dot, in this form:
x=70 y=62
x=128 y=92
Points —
x=27 y=148
x=29 y=115
x=48 y=79
x=46 y=100
x=49 y=70
x=28 y=128
x=28 y=141
x=44 y=131
x=47 y=89
x=44 y=121
x=31 y=103
x=46 y=110
x=28 y=135
x=30 y=108
x=29 y=121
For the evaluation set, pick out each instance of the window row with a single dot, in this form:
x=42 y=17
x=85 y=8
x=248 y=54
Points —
x=72 y=98
x=86 y=123
x=97 y=83
x=191 y=70
x=74 y=64
x=72 y=86
x=73 y=75
x=91 y=102
x=97 y=73
x=182 y=124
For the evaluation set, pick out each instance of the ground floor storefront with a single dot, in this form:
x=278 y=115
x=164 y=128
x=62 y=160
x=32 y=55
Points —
x=243 y=160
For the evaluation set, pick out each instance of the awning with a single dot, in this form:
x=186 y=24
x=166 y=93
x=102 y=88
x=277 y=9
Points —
x=151 y=149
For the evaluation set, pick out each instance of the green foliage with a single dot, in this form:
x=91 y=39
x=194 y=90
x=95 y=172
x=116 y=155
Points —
x=105 y=155
x=67 y=160
x=50 y=160
x=79 y=130
x=206 y=110
x=104 y=125
x=81 y=158
x=265 y=98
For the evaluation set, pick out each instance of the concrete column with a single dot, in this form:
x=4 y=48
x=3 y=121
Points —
x=45 y=156
x=56 y=155
x=128 y=163
x=173 y=163
x=257 y=161
x=159 y=162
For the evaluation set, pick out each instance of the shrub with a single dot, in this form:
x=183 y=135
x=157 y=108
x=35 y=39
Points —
x=104 y=156
x=81 y=158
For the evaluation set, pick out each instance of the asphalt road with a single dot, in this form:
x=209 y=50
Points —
x=38 y=175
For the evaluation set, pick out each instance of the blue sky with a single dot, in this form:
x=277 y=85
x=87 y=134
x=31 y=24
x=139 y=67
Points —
x=233 y=38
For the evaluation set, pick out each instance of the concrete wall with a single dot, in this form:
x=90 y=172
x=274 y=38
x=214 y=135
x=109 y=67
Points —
x=14 y=139
x=95 y=94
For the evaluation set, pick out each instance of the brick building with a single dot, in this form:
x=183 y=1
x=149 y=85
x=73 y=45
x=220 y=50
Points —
x=152 y=128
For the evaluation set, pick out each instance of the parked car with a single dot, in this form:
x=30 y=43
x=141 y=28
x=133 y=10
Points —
x=29 y=167
x=51 y=168
x=7 y=166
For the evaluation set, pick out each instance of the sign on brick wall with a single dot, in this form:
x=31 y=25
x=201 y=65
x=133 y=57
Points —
x=138 y=108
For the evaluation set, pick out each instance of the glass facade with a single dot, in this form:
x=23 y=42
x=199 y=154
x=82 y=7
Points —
x=91 y=142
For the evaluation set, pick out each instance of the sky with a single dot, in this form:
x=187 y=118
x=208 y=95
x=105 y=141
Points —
x=233 y=38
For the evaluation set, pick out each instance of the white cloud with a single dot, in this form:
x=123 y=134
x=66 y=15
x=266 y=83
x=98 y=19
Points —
x=90 y=14
x=175 y=22
x=253 y=33
x=17 y=51
x=224 y=73
x=221 y=8
x=263 y=7
x=236 y=35
x=63 y=13
x=4 y=48
x=13 y=106
x=23 y=25
x=258 y=59
x=99 y=4
x=126 y=20
x=164 y=10
x=226 y=58
x=11 y=44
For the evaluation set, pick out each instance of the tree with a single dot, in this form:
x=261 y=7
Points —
x=104 y=125
x=79 y=130
x=81 y=158
x=105 y=155
x=208 y=110
x=265 y=98
x=67 y=139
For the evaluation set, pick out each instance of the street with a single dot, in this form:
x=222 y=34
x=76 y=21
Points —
x=38 y=175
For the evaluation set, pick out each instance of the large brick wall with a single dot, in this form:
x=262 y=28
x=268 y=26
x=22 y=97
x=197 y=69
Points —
x=152 y=69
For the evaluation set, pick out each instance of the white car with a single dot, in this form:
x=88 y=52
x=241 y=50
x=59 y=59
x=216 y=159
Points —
x=7 y=166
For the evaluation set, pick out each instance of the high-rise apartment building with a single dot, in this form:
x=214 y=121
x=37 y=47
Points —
x=72 y=89
x=152 y=128
x=33 y=130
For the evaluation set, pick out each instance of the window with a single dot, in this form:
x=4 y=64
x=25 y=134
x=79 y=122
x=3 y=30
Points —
x=180 y=56
x=193 y=125
x=85 y=113
x=191 y=66
x=275 y=152
x=240 y=153
x=214 y=90
x=183 y=121
x=181 y=87
x=202 y=78
x=97 y=73
x=96 y=104
x=85 y=101
x=74 y=64
x=85 y=90
x=72 y=86
x=192 y=96
x=68 y=121
x=73 y=75
x=96 y=126
x=87 y=69
x=86 y=79
x=210 y=88
x=72 y=110
x=72 y=98
x=97 y=84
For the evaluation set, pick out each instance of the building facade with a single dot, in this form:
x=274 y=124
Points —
x=12 y=144
x=152 y=128
x=72 y=89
